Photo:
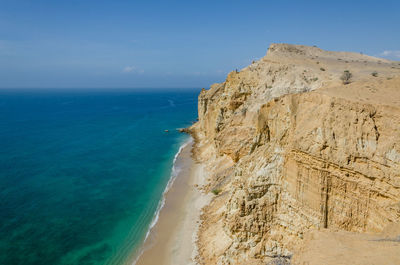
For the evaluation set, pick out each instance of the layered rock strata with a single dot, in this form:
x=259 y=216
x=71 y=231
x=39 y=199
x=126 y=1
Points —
x=291 y=149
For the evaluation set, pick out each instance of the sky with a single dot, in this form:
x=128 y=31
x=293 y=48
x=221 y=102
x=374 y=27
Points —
x=175 y=44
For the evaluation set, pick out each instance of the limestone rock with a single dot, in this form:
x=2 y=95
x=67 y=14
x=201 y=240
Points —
x=297 y=151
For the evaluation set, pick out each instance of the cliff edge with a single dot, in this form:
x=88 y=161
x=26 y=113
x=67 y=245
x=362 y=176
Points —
x=302 y=149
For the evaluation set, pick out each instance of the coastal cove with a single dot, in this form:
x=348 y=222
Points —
x=83 y=173
x=294 y=159
x=199 y=132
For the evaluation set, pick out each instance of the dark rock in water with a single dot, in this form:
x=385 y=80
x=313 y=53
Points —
x=183 y=130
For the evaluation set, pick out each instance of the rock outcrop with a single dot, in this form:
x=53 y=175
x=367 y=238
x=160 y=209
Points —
x=294 y=150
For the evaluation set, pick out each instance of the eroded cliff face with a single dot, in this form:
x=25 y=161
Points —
x=292 y=149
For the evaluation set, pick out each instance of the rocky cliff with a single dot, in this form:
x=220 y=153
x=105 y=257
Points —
x=294 y=147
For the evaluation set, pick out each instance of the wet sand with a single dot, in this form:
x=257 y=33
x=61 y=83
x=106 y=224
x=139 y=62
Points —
x=172 y=239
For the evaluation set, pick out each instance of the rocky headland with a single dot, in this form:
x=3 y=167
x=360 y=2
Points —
x=302 y=150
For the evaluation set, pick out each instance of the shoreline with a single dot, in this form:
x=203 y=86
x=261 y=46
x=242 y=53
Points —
x=172 y=236
x=137 y=253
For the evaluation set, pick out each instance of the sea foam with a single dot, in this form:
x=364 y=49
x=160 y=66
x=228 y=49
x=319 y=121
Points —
x=175 y=170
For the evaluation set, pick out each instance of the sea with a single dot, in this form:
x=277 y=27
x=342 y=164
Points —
x=83 y=172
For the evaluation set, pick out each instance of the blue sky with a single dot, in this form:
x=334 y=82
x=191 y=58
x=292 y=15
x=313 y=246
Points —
x=174 y=44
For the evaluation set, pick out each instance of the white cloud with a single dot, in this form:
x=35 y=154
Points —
x=393 y=54
x=132 y=69
x=129 y=69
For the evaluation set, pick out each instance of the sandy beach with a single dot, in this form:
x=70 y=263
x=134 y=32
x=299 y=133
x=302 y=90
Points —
x=172 y=239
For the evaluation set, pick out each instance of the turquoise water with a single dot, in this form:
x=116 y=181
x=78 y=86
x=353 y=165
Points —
x=82 y=173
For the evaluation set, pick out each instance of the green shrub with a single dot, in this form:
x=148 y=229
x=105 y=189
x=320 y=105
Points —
x=374 y=74
x=346 y=76
x=216 y=191
x=322 y=69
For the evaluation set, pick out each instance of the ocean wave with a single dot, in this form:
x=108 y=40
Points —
x=174 y=173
